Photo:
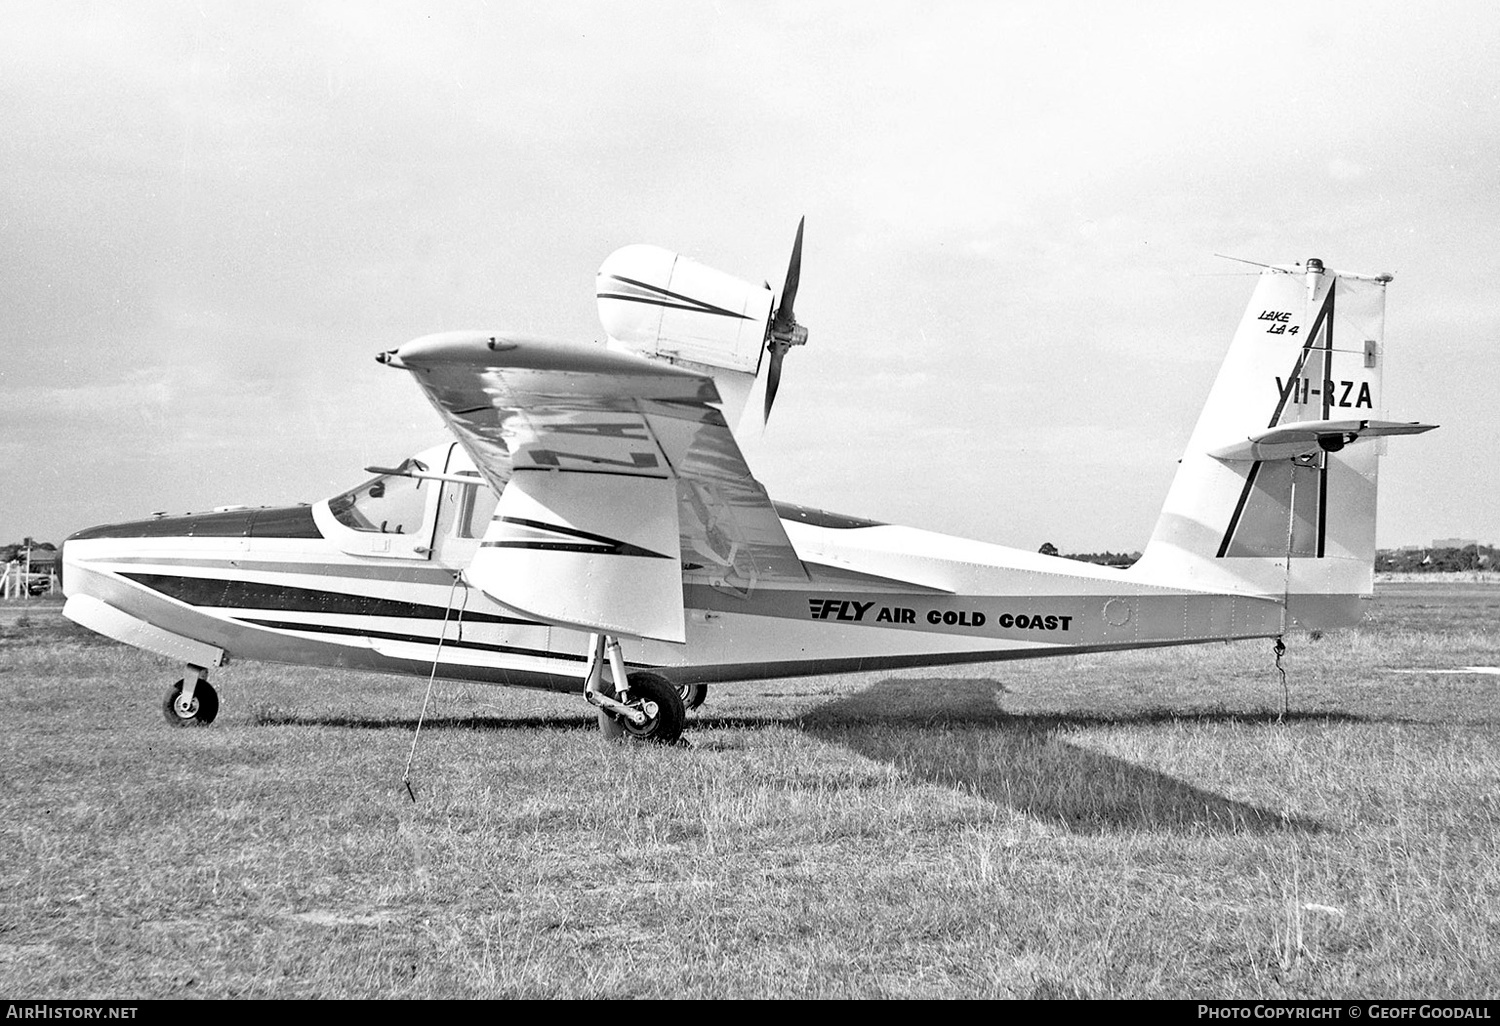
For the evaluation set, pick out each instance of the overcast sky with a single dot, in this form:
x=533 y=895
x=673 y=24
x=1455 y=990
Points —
x=214 y=215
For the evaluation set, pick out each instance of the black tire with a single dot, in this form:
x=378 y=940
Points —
x=692 y=695
x=666 y=726
x=205 y=705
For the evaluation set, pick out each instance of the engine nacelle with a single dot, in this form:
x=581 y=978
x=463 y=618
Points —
x=658 y=303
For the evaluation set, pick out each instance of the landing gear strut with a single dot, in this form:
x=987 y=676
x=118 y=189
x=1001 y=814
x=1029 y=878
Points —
x=647 y=707
x=192 y=702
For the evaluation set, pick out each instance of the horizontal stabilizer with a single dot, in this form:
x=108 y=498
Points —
x=1307 y=437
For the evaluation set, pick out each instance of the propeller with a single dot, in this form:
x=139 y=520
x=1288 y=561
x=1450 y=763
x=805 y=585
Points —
x=783 y=331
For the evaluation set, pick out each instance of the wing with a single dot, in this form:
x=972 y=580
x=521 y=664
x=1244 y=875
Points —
x=617 y=479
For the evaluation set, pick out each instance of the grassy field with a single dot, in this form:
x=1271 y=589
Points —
x=1129 y=825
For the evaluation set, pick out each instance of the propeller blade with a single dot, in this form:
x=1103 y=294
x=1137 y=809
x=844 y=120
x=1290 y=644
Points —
x=784 y=320
x=784 y=332
x=773 y=378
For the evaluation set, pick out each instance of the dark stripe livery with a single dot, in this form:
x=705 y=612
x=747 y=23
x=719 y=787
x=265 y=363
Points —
x=268 y=522
x=597 y=543
x=657 y=296
x=1322 y=323
x=211 y=591
x=419 y=639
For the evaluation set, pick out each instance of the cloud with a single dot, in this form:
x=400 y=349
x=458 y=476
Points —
x=1345 y=171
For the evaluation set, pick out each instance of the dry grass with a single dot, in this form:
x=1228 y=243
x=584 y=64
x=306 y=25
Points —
x=1134 y=825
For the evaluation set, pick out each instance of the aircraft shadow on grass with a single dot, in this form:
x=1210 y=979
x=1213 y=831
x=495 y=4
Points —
x=1025 y=762
x=442 y=721
x=955 y=733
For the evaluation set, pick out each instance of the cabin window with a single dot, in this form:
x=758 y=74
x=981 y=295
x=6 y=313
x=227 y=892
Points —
x=476 y=506
x=386 y=505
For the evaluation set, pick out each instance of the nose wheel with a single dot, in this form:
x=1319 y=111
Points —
x=192 y=702
x=648 y=707
x=659 y=699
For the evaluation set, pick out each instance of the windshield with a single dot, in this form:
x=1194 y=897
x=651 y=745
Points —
x=386 y=505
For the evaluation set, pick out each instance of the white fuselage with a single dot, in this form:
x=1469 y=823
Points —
x=283 y=585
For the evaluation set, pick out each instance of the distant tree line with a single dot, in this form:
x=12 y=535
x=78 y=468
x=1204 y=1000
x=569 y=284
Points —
x=1415 y=561
x=18 y=550
x=1102 y=558
x=1436 y=561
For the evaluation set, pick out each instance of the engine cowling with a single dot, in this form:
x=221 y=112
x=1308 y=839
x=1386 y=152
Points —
x=658 y=303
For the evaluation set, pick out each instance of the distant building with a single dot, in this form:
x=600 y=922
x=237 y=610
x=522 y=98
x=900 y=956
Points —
x=1453 y=543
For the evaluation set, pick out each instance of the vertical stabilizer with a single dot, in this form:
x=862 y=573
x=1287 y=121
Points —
x=1305 y=364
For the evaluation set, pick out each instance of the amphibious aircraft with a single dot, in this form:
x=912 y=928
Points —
x=593 y=527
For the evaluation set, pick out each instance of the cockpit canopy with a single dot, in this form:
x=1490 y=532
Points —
x=399 y=515
x=387 y=504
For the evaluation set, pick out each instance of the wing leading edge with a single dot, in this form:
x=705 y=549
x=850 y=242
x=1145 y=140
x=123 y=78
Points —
x=617 y=479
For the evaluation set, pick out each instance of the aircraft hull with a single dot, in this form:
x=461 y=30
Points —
x=877 y=597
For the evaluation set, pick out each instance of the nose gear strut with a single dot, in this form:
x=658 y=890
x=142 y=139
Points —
x=643 y=705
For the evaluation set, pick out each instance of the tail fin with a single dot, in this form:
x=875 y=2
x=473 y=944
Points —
x=1276 y=493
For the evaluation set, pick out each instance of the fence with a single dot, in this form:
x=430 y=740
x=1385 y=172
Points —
x=19 y=581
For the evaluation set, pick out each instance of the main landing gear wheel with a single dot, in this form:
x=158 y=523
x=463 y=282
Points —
x=654 y=691
x=692 y=695
x=199 y=712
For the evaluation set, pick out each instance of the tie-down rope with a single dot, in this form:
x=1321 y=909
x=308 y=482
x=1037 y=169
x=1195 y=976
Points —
x=458 y=577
